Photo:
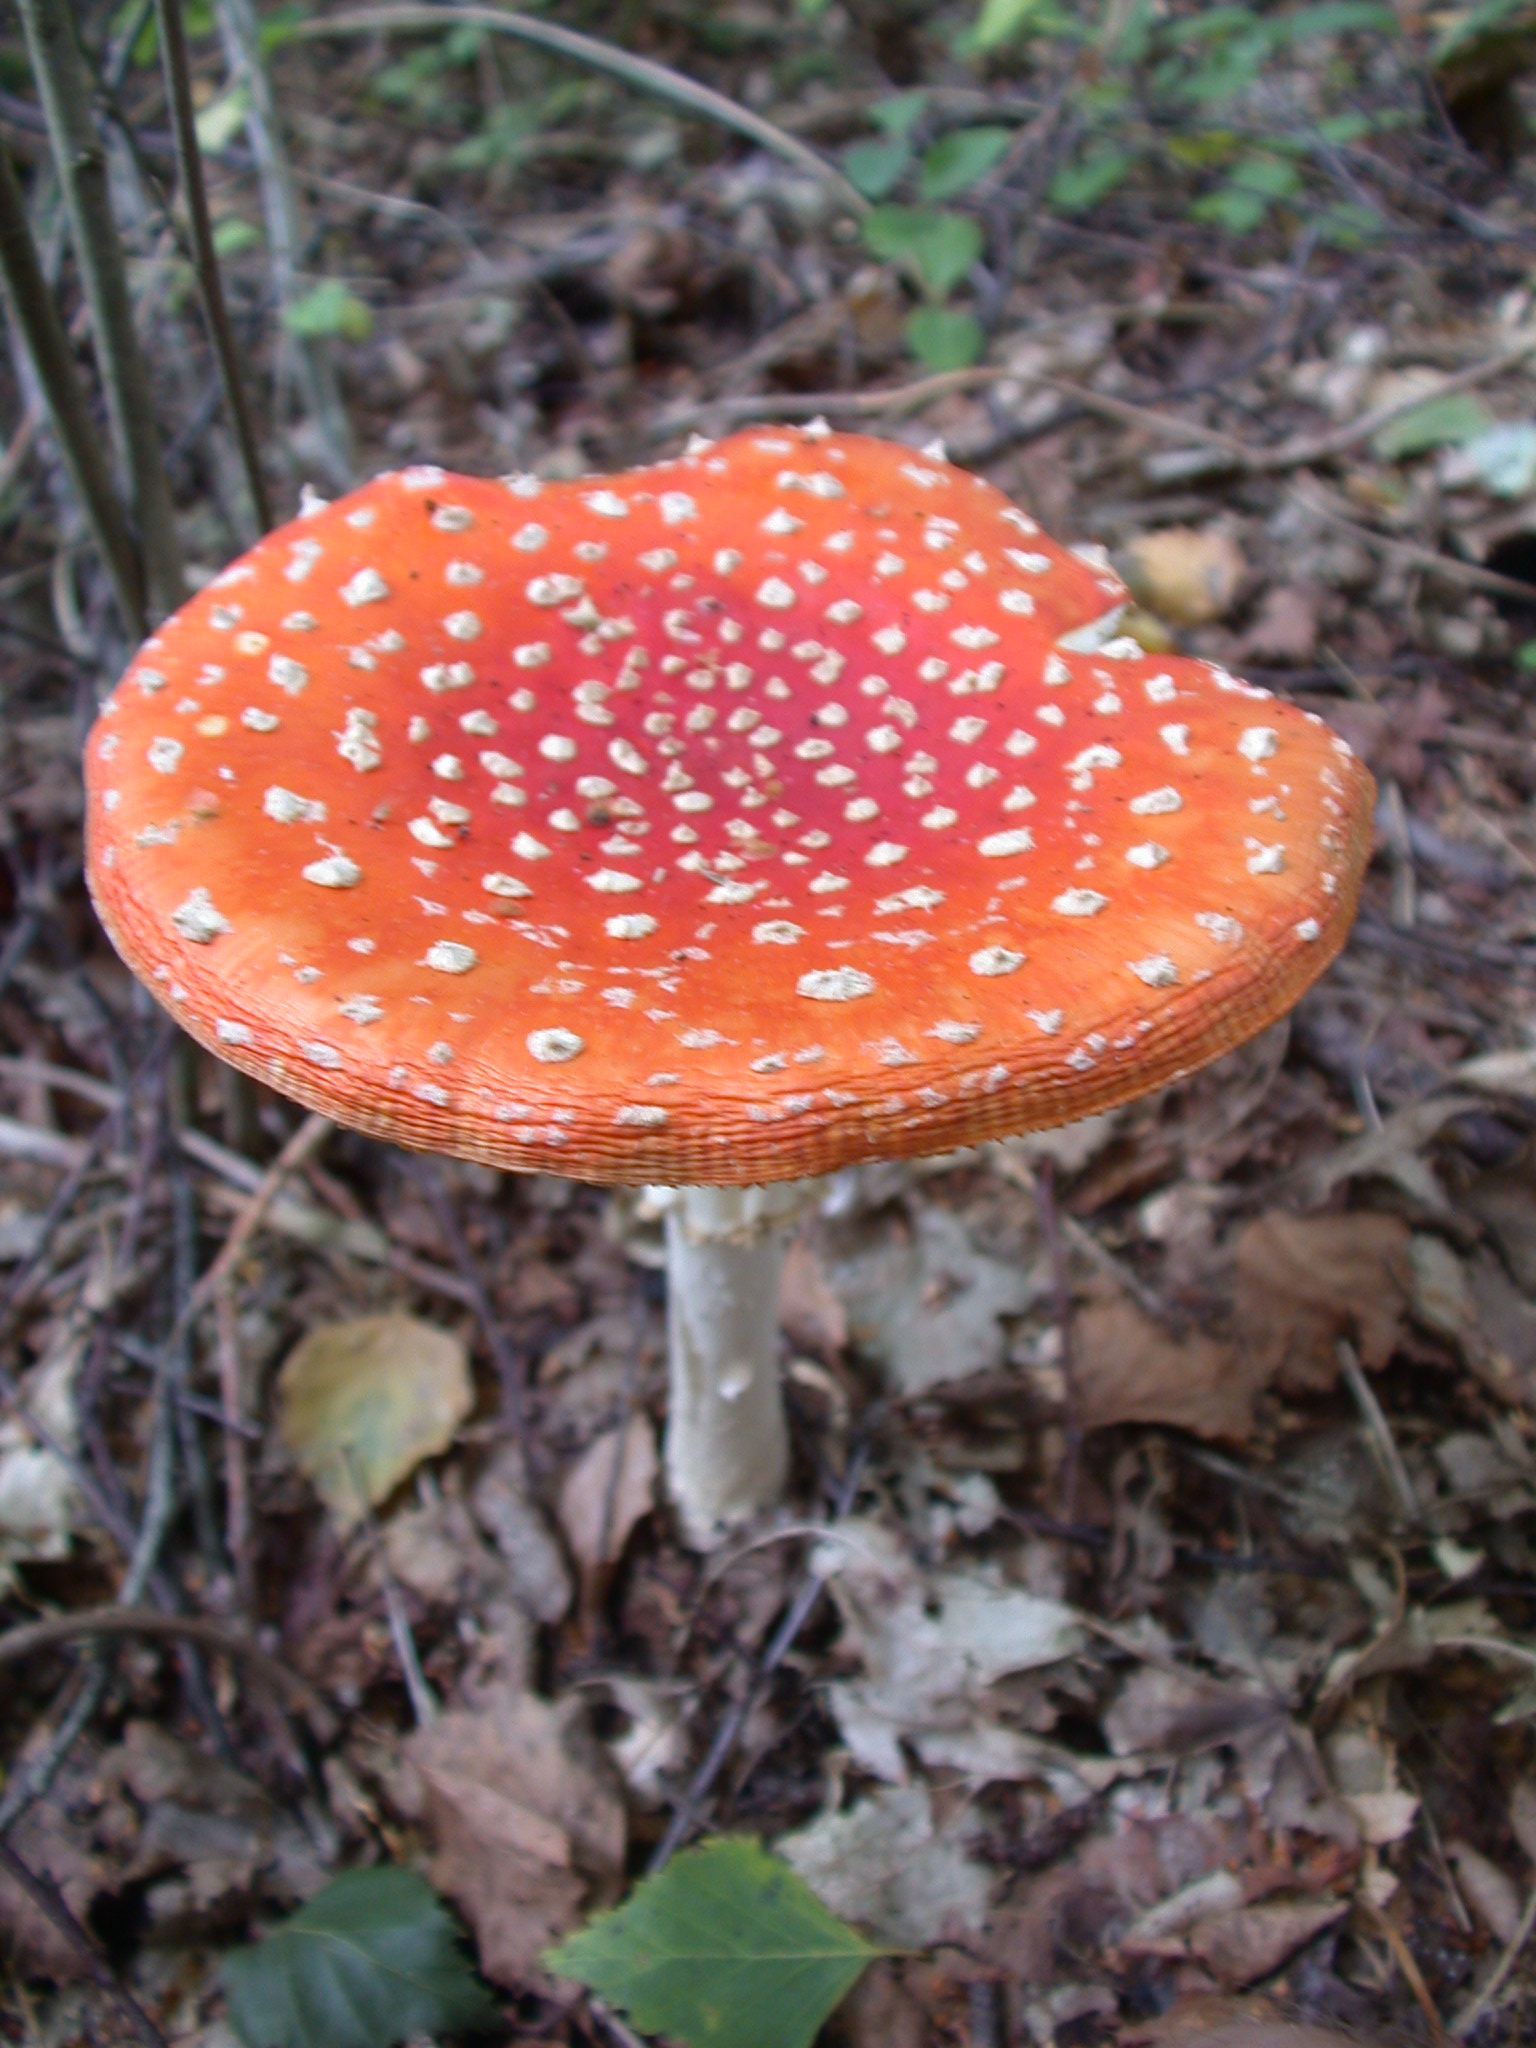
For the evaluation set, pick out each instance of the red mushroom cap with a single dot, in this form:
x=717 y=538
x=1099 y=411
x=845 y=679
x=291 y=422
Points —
x=726 y=821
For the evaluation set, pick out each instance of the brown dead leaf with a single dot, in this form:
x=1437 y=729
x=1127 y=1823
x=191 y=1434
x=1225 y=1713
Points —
x=1212 y=2022
x=1285 y=631
x=1305 y=1281
x=1240 y=1948
x=527 y=1828
x=1183 y=575
x=55 y=1850
x=813 y=1317
x=1125 y=1368
x=620 y=1468
x=1160 y=1711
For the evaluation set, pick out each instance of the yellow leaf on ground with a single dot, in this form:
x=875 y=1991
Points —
x=361 y=1404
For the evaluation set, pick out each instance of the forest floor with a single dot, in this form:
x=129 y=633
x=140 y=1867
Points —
x=1249 y=1408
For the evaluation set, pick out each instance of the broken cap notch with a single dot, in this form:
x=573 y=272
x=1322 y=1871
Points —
x=725 y=821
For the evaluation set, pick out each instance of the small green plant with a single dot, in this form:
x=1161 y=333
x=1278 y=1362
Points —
x=328 y=308
x=933 y=244
x=725 y=1948
x=1189 y=93
x=372 y=1960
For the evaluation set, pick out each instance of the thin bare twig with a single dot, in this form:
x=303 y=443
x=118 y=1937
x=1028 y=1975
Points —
x=47 y=346
x=108 y=1624
x=210 y=284
x=688 y=1811
x=63 y=88
x=49 y=1901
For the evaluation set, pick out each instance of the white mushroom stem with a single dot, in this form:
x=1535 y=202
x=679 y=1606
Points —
x=727 y=1444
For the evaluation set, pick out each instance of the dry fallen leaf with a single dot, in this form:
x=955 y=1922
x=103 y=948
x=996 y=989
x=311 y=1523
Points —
x=617 y=1467
x=887 y=1866
x=1284 y=633
x=1240 y=1948
x=527 y=1828
x=1305 y=1281
x=1493 y=1896
x=361 y=1404
x=1183 y=575
x=1125 y=1368
x=813 y=1318
x=1211 y=2022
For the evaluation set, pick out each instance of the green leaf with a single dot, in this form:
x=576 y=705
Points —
x=875 y=168
x=1232 y=208
x=957 y=161
x=329 y=308
x=1271 y=177
x=1525 y=656
x=218 y=123
x=727 y=1948
x=1437 y=423
x=939 y=247
x=370 y=1961
x=899 y=114
x=233 y=236
x=1000 y=20
x=945 y=338
x=1093 y=177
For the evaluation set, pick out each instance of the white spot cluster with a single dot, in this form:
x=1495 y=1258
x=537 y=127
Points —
x=777 y=759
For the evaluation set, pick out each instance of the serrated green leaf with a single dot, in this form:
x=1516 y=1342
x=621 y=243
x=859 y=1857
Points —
x=944 y=338
x=726 y=1948
x=369 y=1962
x=956 y=161
x=328 y=308
x=1093 y=177
x=875 y=168
x=1437 y=423
x=939 y=247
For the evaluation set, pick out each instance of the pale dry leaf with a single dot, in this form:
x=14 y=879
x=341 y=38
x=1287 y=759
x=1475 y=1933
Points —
x=40 y=1508
x=528 y=1832
x=1185 y=575
x=540 y=1578
x=889 y=1868
x=361 y=1404
x=57 y=1851
x=1493 y=1896
x=1126 y=1368
x=610 y=1488
x=1305 y=1281
x=1522 y=1817
x=921 y=1298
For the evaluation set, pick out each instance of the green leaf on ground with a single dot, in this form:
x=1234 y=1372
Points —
x=956 y=161
x=944 y=338
x=901 y=112
x=939 y=247
x=1438 y=423
x=370 y=1961
x=726 y=1948
x=1000 y=20
x=1093 y=177
x=328 y=308
x=360 y=1404
x=875 y=168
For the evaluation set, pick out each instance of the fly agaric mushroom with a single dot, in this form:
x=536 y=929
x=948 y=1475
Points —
x=717 y=824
